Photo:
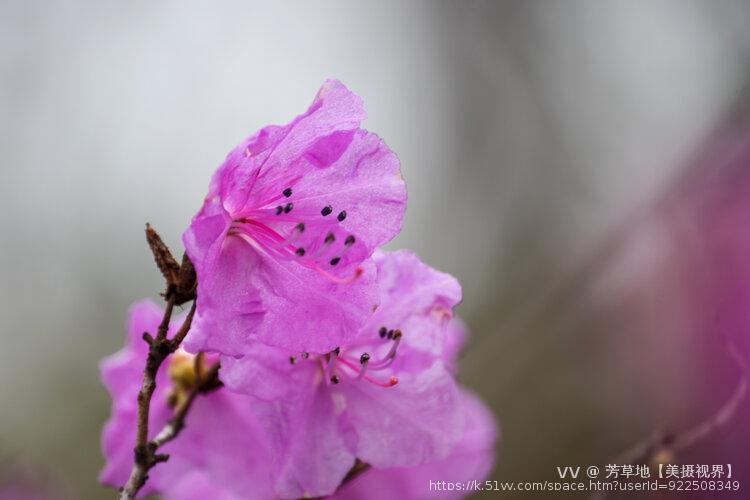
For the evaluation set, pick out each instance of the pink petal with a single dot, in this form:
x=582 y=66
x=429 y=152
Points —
x=471 y=459
x=250 y=297
x=417 y=421
x=309 y=439
x=419 y=301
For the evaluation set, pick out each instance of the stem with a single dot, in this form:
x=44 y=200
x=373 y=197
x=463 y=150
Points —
x=153 y=362
x=646 y=449
x=357 y=470
x=177 y=422
x=159 y=349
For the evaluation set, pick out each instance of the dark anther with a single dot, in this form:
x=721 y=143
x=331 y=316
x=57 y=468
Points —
x=341 y=216
x=305 y=355
x=292 y=359
x=300 y=227
x=279 y=209
x=335 y=260
x=390 y=334
x=287 y=192
x=326 y=210
x=335 y=379
x=349 y=240
x=396 y=334
x=364 y=358
x=330 y=237
x=383 y=332
x=337 y=351
x=300 y=251
x=288 y=208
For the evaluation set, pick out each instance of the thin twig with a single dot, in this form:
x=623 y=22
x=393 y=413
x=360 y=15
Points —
x=146 y=456
x=184 y=329
x=357 y=470
x=153 y=362
x=645 y=450
x=177 y=422
x=642 y=451
x=181 y=287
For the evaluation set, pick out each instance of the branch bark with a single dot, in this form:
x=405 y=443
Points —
x=145 y=451
x=181 y=287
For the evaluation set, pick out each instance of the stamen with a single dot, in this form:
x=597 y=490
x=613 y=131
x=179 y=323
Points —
x=363 y=360
x=390 y=334
x=267 y=240
x=267 y=237
x=390 y=383
x=279 y=209
x=393 y=380
x=349 y=240
x=383 y=332
x=322 y=249
x=331 y=360
x=288 y=207
x=326 y=210
x=258 y=240
x=292 y=360
x=341 y=216
x=341 y=281
x=335 y=379
x=287 y=192
x=388 y=358
x=305 y=355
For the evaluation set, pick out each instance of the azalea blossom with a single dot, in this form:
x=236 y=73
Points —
x=471 y=459
x=282 y=242
x=221 y=443
x=408 y=429
x=387 y=397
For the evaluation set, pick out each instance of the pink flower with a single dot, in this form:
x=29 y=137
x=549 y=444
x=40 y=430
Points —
x=221 y=442
x=387 y=396
x=470 y=460
x=282 y=242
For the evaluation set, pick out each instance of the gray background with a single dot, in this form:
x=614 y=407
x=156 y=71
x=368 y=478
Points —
x=528 y=132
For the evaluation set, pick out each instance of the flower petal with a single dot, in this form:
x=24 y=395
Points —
x=266 y=373
x=249 y=297
x=223 y=440
x=310 y=439
x=419 y=301
x=417 y=421
x=472 y=459
x=456 y=336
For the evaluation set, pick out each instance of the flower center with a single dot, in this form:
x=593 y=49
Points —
x=355 y=364
x=314 y=240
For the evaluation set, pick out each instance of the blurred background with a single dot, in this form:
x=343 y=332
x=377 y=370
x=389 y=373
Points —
x=567 y=161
